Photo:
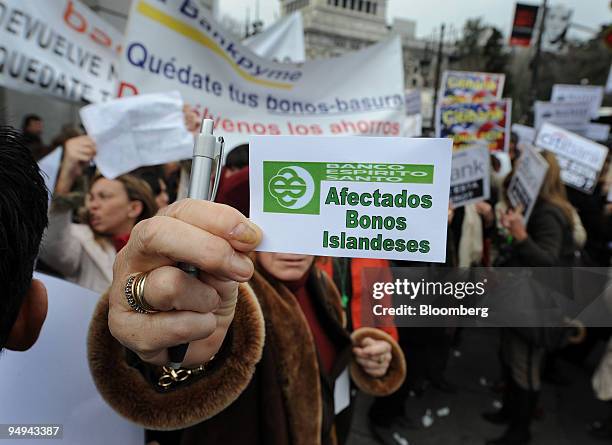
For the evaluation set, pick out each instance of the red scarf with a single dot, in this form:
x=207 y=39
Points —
x=325 y=347
x=119 y=241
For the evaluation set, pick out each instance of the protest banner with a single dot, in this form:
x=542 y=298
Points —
x=571 y=116
x=470 y=176
x=175 y=45
x=526 y=135
x=351 y=197
x=58 y=48
x=582 y=94
x=132 y=132
x=527 y=180
x=469 y=86
x=413 y=102
x=51 y=381
x=473 y=123
x=580 y=159
x=282 y=42
x=413 y=126
x=597 y=132
x=525 y=18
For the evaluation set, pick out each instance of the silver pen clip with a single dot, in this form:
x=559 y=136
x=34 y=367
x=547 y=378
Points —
x=219 y=147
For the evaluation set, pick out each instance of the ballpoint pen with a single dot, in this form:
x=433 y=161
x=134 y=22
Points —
x=205 y=166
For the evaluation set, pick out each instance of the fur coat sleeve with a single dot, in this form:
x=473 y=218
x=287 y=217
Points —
x=139 y=399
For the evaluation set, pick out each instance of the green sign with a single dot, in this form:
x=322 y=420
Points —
x=295 y=187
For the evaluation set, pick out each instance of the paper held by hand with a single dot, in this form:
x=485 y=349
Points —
x=142 y=130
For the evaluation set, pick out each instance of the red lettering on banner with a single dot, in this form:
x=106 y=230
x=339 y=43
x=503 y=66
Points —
x=125 y=87
x=77 y=21
x=81 y=25
x=99 y=36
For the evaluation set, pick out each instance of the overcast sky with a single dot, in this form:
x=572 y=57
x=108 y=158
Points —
x=431 y=13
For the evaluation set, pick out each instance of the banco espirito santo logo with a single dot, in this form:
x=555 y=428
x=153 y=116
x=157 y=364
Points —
x=293 y=187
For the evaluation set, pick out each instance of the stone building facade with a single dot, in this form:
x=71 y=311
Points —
x=333 y=27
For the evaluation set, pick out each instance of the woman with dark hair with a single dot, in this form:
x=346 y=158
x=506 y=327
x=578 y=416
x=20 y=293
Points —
x=84 y=253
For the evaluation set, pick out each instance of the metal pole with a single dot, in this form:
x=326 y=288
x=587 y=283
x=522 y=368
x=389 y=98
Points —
x=438 y=68
x=536 y=59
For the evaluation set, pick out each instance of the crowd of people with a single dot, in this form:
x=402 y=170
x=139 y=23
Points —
x=265 y=355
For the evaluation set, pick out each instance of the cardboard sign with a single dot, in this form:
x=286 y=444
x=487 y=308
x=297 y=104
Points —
x=527 y=180
x=177 y=45
x=475 y=123
x=469 y=86
x=580 y=159
x=571 y=116
x=582 y=94
x=51 y=383
x=59 y=48
x=470 y=176
x=137 y=131
x=352 y=197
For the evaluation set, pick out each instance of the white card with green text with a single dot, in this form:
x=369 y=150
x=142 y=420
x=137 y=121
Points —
x=362 y=197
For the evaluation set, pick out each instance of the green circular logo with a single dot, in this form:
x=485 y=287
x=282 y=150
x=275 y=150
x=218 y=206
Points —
x=293 y=187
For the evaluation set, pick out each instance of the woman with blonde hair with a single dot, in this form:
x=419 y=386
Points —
x=84 y=253
x=547 y=240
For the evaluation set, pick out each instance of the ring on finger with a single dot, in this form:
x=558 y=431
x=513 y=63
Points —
x=134 y=293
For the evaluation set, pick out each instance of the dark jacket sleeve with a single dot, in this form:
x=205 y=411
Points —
x=131 y=388
x=544 y=244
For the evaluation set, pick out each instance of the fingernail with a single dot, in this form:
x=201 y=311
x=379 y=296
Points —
x=244 y=232
x=241 y=265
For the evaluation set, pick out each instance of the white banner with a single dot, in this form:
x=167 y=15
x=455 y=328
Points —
x=582 y=94
x=59 y=48
x=175 y=45
x=470 y=176
x=282 y=42
x=51 y=383
x=580 y=159
x=571 y=116
x=527 y=180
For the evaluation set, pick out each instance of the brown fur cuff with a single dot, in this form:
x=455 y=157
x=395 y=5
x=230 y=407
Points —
x=128 y=392
x=397 y=368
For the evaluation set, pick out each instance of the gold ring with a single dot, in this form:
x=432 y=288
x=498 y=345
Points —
x=134 y=293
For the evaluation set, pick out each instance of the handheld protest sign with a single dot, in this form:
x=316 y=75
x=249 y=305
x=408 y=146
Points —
x=527 y=180
x=471 y=86
x=571 y=116
x=351 y=196
x=474 y=123
x=470 y=176
x=580 y=159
